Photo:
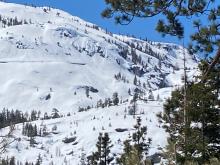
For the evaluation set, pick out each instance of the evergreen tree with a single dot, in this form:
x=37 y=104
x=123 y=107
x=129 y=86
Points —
x=32 y=141
x=8 y=118
x=33 y=115
x=8 y=161
x=115 y=98
x=195 y=132
x=55 y=113
x=46 y=116
x=134 y=56
x=151 y=95
x=135 y=80
x=29 y=130
x=131 y=157
x=39 y=160
x=87 y=91
x=133 y=109
x=12 y=161
x=96 y=158
x=134 y=153
x=139 y=139
x=102 y=155
x=44 y=130
x=83 y=158
x=129 y=91
x=106 y=146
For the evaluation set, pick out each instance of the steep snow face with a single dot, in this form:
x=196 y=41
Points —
x=50 y=59
x=47 y=51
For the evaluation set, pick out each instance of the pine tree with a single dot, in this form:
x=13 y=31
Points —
x=134 y=153
x=102 y=155
x=129 y=91
x=115 y=98
x=196 y=137
x=133 y=109
x=96 y=158
x=106 y=146
x=32 y=141
x=151 y=95
x=134 y=56
x=83 y=158
x=130 y=158
x=46 y=116
x=135 y=80
x=87 y=91
x=39 y=160
x=33 y=115
x=55 y=113
x=35 y=130
x=139 y=139
x=29 y=130
x=12 y=161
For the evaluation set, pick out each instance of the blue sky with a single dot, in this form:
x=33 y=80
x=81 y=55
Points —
x=90 y=10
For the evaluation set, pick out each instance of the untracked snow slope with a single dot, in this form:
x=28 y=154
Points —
x=53 y=52
x=49 y=59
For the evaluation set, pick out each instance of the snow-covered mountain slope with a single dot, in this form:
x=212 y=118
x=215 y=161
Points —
x=50 y=59
x=86 y=128
x=57 y=51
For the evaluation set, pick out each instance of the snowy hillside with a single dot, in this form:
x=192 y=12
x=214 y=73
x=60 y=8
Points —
x=50 y=59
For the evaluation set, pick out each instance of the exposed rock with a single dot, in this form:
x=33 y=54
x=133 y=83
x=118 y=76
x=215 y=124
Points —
x=121 y=129
x=69 y=140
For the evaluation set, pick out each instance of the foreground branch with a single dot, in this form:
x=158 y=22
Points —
x=211 y=66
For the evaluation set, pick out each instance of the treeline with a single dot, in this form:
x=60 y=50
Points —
x=13 y=21
x=114 y=101
x=29 y=130
x=11 y=117
x=13 y=161
x=8 y=118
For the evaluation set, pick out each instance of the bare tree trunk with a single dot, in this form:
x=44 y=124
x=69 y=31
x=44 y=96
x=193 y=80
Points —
x=185 y=115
